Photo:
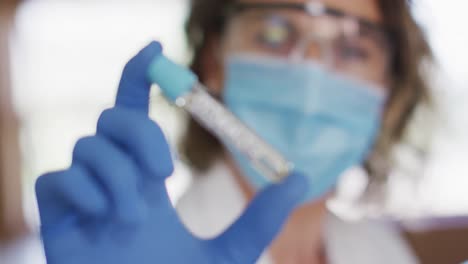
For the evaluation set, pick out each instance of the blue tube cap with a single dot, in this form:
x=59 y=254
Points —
x=173 y=79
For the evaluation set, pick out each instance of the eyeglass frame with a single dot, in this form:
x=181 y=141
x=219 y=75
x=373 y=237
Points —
x=314 y=8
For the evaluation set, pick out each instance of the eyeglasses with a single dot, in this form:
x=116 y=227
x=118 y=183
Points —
x=347 y=44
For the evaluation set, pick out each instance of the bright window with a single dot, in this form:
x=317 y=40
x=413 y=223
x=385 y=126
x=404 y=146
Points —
x=67 y=60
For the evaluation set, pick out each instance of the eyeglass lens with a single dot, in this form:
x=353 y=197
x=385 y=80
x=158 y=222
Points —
x=341 y=43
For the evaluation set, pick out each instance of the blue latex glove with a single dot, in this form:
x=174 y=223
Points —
x=112 y=206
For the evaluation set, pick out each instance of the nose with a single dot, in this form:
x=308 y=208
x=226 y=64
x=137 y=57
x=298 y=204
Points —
x=314 y=51
x=310 y=49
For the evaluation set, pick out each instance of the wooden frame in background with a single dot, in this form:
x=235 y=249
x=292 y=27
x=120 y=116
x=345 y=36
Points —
x=12 y=222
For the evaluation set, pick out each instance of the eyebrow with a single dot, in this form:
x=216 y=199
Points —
x=311 y=8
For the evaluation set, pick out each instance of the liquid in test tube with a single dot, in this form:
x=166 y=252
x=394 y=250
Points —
x=182 y=87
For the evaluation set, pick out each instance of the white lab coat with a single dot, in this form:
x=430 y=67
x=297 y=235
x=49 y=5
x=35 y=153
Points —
x=214 y=201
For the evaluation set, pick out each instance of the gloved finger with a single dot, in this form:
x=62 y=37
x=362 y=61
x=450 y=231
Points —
x=248 y=237
x=73 y=192
x=116 y=172
x=134 y=85
x=141 y=138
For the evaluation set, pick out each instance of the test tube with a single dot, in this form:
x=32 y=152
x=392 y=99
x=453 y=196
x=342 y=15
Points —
x=182 y=87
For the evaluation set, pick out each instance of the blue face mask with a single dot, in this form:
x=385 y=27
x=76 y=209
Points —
x=322 y=122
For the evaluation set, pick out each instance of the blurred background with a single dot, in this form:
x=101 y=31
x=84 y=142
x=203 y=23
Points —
x=60 y=63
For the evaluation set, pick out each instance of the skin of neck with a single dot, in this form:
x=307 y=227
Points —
x=300 y=240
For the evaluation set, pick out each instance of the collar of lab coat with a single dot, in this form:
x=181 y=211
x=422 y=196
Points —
x=214 y=201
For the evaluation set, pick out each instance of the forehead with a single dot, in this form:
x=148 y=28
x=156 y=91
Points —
x=367 y=9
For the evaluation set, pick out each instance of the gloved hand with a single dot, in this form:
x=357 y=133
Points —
x=111 y=206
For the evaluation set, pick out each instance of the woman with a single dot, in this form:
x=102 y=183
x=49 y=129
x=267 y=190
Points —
x=318 y=80
x=272 y=32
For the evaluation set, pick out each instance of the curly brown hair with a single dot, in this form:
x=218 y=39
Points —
x=408 y=88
